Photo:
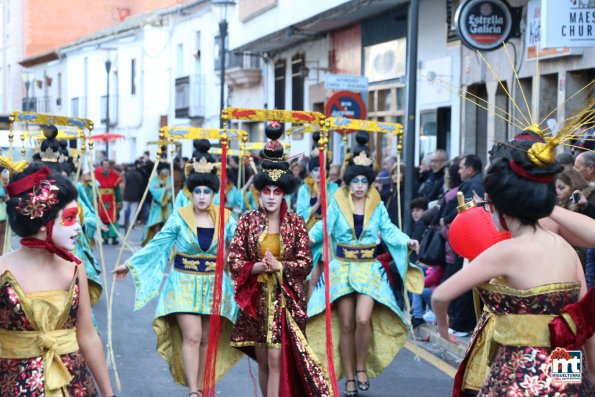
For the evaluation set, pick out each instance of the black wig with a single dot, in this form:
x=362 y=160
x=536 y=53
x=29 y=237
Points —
x=517 y=195
x=352 y=170
x=23 y=225
x=275 y=168
x=209 y=179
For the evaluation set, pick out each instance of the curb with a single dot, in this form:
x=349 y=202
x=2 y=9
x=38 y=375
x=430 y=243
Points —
x=426 y=332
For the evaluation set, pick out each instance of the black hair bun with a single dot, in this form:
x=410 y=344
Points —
x=50 y=131
x=201 y=149
x=273 y=130
x=362 y=138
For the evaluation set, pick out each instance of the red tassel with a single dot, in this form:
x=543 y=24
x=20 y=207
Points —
x=215 y=323
x=327 y=291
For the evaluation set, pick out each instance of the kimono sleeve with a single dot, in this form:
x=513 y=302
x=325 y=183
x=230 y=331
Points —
x=246 y=284
x=317 y=231
x=160 y=193
x=300 y=264
x=396 y=241
x=303 y=203
x=148 y=265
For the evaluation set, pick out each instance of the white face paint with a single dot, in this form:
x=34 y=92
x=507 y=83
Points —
x=315 y=173
x=359 y=186
x=66 y=227
x=202 y=197
x=271 y=197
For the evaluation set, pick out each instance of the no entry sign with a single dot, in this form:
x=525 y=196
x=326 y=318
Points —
x=346 y=104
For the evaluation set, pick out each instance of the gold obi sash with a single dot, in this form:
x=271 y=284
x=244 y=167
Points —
x=195 y=264
x=106 y=190
x=356 y=253
x=49 y=345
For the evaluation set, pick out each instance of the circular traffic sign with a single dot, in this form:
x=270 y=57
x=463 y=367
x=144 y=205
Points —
x=346 y=104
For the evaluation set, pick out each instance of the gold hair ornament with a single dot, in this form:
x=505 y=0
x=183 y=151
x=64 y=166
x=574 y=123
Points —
x=275 y=174
x=362 y=159
x=202 y=166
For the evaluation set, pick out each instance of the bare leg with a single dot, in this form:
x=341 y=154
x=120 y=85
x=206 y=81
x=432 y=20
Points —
x=190 y=325
x=315 y=276
x=363 y=332
x=274 y=358
x=204 y=344
x=346 y=309
x=263 y=369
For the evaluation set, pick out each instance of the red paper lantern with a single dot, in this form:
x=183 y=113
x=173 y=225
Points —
x=473 y=230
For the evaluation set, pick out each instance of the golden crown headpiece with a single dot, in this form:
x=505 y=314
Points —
x=202 y=166
x=362 y=159
x=49 y=156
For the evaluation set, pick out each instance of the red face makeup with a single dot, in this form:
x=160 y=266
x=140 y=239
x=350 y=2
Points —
x=267 y=191
x=68 y=217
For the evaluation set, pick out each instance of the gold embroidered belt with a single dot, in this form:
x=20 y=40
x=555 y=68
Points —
x=195 y=264
x=356 y=253
x=106 y=190
x=525 y=329
x=49 y=345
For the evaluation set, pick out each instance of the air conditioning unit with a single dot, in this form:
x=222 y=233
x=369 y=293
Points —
x=385 y=61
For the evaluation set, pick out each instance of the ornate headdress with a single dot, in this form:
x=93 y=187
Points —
x=43 y=195
x=359 y=162
x=275 y=168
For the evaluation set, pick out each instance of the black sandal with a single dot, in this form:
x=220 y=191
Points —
x=365 y=385
x=351 y=393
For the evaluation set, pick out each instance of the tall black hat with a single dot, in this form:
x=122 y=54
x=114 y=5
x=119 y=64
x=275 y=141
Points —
x=359 y=162
x=202 y=171
x=275 y=168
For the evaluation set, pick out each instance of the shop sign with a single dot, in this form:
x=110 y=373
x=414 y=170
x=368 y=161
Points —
x=568 y=23
x=483 y=24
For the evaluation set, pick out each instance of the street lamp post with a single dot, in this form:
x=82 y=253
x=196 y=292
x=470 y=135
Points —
x=26 y=77
x=108 y=67
x=222 y=5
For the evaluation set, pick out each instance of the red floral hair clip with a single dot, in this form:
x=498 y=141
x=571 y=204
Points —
x=44 y=194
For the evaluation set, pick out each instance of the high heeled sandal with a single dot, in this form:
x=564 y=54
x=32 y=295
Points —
x=365 y=385
x=351 y=393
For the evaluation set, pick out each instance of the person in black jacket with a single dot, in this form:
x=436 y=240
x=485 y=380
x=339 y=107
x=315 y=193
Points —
x=133 y=192
x=433 y=187
x=470 y=168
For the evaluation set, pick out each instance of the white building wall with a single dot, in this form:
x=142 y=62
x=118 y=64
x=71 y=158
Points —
x=436 y=59
x=11 y=51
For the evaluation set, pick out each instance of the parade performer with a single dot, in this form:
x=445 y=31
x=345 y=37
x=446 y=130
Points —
x=234 y=199
x=110 y=200
x=532 y=285
x=48 y=344
x=185 y=301
x=161 y=202
x=269 y=260
x=359 y=282
x=308 y=205
x=53 y=154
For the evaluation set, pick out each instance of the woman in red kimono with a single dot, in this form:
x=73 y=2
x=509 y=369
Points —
x=270 y=258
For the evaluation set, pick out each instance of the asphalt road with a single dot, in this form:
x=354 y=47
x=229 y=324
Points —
x=143 y=373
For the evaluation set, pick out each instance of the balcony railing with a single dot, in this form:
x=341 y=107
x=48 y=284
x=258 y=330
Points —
x=113 y=110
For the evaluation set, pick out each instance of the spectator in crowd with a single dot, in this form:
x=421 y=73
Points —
x=566 y=160
x=432 y=188
x=568 y=182
x=417 y=207
x=383 y=178
x=585 y=166
x=470 y=168
x=423 y=172
x=394 y=198
x=334 y=174
x=133 y=192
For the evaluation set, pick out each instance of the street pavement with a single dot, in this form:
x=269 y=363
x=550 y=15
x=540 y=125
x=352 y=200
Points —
x=143 y=373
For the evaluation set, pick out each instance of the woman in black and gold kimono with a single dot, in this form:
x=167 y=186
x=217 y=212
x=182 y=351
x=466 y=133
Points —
x=270 y=258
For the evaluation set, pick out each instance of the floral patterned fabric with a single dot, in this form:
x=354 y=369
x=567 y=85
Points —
x=25 y=377
x=521 y=370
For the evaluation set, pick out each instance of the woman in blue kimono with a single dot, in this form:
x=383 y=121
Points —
x=359 y=286
x=185 y=301
x=161 y=203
